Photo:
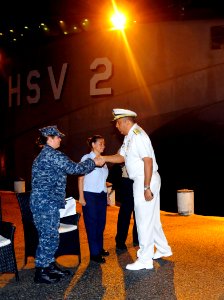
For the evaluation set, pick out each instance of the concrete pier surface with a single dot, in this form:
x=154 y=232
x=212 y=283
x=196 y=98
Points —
x=195 y=271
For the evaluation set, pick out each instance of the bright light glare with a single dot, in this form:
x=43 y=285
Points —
x=118 y=20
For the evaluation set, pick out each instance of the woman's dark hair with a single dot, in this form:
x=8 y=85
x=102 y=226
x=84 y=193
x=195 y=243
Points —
x=41 y=141
x=93 y=139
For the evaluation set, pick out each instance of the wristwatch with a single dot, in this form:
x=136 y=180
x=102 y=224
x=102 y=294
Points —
x=146 y=187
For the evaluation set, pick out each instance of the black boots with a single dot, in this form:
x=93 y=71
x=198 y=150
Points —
x=98 y=258
x=50 y=274
x=105 y=253
x=42 y=275
x=55 y=270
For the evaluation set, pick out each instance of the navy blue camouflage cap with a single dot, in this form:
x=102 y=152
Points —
x=51 y=130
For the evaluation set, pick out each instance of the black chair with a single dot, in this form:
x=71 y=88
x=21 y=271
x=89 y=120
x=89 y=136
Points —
x=69 y=237
x=7 y=252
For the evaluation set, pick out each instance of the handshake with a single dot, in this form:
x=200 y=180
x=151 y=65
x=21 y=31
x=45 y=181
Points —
x=99 y=161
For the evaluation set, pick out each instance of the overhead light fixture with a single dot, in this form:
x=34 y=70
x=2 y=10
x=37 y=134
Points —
x=118 y=20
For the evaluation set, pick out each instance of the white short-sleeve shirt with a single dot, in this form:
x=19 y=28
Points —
x=136 y=146
x=95 y=181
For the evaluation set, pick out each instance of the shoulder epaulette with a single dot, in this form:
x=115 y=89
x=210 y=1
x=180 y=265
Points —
x=136 y=131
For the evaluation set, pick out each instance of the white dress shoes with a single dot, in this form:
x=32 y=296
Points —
x=137 y=265
x=159 y=254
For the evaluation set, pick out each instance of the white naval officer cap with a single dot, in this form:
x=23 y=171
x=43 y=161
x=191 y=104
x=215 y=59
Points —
x=119 y=113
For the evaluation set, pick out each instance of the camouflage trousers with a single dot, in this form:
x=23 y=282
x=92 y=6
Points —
x=47 y=225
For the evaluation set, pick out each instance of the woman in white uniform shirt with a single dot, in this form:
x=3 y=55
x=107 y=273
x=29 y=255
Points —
x=93 y=197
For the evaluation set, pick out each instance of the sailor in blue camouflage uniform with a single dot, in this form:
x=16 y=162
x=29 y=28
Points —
x=49 y=175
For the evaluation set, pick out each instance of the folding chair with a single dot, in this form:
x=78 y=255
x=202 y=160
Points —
x=69 y=231
x=7 y=252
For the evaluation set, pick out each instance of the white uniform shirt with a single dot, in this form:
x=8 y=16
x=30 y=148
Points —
x=136 y=146
x=95 y=181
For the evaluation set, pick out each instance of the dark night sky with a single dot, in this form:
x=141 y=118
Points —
x=19 y=13
x=31 y=10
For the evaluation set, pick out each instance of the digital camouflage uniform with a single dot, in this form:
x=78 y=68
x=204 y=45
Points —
x=49 y=175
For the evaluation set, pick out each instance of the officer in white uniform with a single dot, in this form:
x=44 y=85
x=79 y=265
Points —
x=138 y=154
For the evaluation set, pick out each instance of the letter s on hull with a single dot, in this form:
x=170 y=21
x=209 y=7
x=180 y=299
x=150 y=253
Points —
x=33 y=86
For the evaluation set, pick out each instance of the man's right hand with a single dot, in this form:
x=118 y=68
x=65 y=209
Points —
x=99 y=161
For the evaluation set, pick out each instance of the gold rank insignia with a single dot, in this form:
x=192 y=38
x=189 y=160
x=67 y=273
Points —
x=136 y=131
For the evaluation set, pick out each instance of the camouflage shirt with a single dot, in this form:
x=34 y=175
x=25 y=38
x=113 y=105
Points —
x=49 y=175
